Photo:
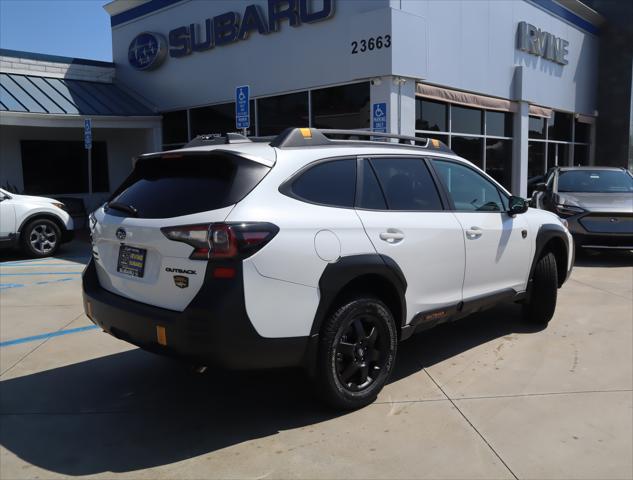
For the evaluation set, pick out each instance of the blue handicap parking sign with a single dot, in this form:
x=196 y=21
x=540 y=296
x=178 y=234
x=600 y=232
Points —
x=88 y=133
x=242 y=113
x=379 y=117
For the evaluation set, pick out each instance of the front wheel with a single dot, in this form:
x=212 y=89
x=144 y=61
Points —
x=540 y=307
x=41 y=238
x=357 y=352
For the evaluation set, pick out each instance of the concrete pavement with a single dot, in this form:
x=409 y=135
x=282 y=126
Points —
x=486 y=397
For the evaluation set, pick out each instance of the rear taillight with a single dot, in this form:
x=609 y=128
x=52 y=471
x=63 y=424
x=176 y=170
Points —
x=222 y=240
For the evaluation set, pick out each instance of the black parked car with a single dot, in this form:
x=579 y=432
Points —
x=597 y=202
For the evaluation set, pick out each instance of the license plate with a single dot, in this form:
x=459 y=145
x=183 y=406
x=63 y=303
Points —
x=131 y=261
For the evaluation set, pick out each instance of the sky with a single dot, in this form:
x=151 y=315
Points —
x=72 y=28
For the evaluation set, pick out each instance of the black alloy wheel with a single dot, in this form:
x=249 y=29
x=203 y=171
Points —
x=357 y=351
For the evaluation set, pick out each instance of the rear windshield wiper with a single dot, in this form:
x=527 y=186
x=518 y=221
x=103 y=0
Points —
x=123 y=208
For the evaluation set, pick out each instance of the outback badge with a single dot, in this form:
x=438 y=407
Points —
x=181 y=281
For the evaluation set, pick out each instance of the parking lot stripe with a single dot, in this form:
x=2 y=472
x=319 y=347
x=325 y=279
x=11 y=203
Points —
x=46 y=336
x=38 y=273
x=70 y=264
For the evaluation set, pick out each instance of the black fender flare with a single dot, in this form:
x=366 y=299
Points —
x=340 y=274
x=546 y=233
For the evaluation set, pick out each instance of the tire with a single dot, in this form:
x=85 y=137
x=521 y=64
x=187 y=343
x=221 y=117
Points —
x=41 y=238
x=357 y=352
x=540 y=307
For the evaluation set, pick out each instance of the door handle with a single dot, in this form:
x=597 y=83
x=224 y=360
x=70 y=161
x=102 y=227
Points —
x=473 y=233
x=392 y=236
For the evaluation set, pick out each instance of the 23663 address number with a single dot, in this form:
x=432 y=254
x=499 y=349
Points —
x=370 y=44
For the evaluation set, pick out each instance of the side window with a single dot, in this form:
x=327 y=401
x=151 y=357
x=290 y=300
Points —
x=468 y=190
x=407 y=184
x=370 y=195
x=329 y=183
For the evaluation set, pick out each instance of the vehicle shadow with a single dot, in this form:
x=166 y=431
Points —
x=611 y=259
x=133 y=410
x=77 y=251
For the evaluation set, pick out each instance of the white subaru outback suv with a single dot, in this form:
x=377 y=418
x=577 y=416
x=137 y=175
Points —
x=38 y=225
x=311 y=251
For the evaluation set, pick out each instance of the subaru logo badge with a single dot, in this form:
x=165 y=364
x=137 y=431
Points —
x=120 y=234
x=614 y=220
x=147 y=51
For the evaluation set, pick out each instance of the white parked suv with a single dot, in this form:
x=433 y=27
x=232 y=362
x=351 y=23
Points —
x=311 y=251
x=36 y=224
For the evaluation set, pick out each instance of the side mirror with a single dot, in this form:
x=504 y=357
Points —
x=517 y=205
x=540 y=187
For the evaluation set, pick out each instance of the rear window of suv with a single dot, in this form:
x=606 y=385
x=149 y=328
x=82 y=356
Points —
x=172 y=187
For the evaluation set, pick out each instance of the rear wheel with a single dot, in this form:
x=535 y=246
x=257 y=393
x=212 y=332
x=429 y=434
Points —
x=357 y=353
x=41 y=238
x=540 y=307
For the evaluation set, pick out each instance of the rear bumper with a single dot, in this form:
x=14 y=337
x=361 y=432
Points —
x=213 y=330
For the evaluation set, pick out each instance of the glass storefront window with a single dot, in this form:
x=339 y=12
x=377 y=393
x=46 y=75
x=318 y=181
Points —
x=537 y=127
x=582 y=132
x=498 y=124
x=536 y=160
x=499 y=160
x=345 y=107
x=274 y=114
x=469 y=148
x=215 y=119
x=431 y=115
x=61 y=166
x=466 y=120
x=559 y=126
x=175 y=127
x=581 y=155
x=557 y=155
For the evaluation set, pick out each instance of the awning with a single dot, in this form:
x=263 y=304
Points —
x=537 y=111
x=465 y=98
x=59 y=96
x=479 y=101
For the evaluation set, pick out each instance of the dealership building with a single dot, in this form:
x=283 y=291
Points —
x=510 y=85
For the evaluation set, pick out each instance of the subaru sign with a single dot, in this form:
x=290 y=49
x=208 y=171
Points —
x=147 y=51
x=88 y=133
x=379 y=117
x=242 y=114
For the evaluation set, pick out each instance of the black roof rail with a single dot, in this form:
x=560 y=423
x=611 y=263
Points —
x=304 y=137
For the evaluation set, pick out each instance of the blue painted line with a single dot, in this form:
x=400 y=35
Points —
x=55 y=281
x=45 y=336
x=38 y=273
x=2 y=265
x=4 y=286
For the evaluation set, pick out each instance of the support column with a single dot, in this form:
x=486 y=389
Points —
x=521 y=127
x=399 y=95
x=520 y=149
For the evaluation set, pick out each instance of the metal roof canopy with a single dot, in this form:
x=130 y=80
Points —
x=58 y=96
